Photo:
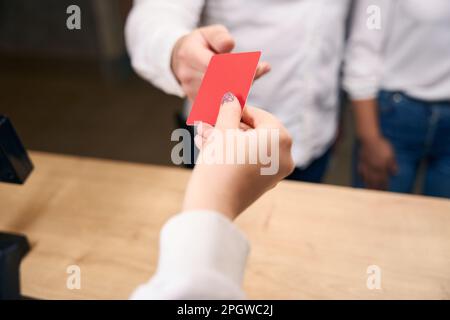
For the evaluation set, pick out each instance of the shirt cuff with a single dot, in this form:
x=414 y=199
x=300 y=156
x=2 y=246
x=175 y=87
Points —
x=359 y=89
x=202 y=256
x=203 y=239
x=152 y=59
x=166 y=79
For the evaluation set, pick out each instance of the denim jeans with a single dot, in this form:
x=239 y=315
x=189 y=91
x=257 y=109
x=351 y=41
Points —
x=419 y=132
x=315 y=171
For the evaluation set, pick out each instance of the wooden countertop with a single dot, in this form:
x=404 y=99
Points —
x=308 y=241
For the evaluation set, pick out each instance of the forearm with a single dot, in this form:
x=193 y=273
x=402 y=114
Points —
x=366 y=119
x=152 y=29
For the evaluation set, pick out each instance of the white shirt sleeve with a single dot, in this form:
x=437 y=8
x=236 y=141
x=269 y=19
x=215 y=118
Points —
x=363 y=62
x=202 y=256
x=151 y=31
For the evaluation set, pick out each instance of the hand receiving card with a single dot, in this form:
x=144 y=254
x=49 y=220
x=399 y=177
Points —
x=229 y=72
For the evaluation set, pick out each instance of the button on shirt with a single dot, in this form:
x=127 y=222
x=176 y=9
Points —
x=302 y=40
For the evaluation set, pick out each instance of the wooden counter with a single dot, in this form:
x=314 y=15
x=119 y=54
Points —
x=308 y=241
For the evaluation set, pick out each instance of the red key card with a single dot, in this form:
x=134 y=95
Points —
x=228 y=72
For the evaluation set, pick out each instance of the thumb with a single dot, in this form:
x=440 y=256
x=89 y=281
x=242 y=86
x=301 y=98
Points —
x=218 y=38
x=255 y=117
x=230 y=112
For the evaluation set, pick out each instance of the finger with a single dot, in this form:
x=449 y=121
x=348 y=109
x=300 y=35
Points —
x=191 y=76
x=243 y=126
x=382 y=182
x=384 y=174
x=255 y=117
x=191 y=89
x=369 y=177
x=229 y=113
x=200 y=57
x=262 y=69
x=218 y=37
x=371 y=180
x=207 y=134
x=364 y=175
x=379 y=179
x=203 y=128
x=199 y=142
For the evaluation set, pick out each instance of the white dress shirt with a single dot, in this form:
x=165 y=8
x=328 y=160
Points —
x=410 y=53
x=302 y=40
x=202 y=256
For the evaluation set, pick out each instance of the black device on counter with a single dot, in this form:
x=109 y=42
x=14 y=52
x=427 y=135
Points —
x=15 y=167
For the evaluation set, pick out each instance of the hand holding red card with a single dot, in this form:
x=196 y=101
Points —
x=229 y=72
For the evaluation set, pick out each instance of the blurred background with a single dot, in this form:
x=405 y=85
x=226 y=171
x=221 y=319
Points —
x=74 y=92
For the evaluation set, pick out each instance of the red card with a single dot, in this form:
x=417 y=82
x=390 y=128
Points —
x=228 y=72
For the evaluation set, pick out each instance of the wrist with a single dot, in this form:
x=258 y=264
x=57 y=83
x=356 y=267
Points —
x=174 y=56
x=205 y=204
x=369 y=138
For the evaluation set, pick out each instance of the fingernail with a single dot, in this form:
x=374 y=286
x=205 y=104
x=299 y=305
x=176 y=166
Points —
x=227 y=97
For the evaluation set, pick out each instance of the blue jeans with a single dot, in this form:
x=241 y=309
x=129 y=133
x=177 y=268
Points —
x=418 y=131
x=315 y=171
